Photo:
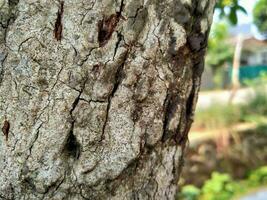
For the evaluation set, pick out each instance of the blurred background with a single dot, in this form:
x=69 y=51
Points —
x=227 y=150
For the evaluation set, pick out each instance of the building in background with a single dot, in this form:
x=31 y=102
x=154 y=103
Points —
x=253 y=61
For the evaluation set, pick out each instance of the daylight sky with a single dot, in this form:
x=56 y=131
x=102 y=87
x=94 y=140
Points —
x=248 y=5
x=242 y=18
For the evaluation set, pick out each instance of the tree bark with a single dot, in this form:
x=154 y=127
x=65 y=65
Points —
x=98 y=96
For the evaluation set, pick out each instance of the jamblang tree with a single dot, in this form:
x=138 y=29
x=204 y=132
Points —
x=98 y=96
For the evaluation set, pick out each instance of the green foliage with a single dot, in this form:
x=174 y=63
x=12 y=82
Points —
x=223 y=116
x=219 y=50
x=260 y=16
x=219 y=187
x=223 y=187
x=258 y=177
x=190 y=192
x=229 y=9
x=257 y=106
x=261 y=80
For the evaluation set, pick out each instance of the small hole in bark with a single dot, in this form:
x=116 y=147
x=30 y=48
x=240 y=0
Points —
x=72 y=147
x=29 y=182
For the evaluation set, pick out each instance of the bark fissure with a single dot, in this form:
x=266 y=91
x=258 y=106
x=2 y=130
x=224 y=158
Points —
x=2 y=70
x=58 y=24
x=120 y=38
x=117 y=81
x=138 y=10
x=35 y=139
x=57 y=185
x=82 y=61
x=8 y=20
x=166 y=117
x=72 y=147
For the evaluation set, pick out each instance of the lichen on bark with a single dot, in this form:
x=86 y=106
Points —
x=99 y=94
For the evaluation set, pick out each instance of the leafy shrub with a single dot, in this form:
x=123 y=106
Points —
x=256 y=108
x=219 y=187
x=190 y=192
x=223 y=187
x=258 y=177
x=223 y=116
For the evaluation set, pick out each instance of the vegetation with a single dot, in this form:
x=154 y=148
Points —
x=223 y=116
x=229 y=10
x=223 y=187
x=260 y=16
x=220 y=52
x=217 y=116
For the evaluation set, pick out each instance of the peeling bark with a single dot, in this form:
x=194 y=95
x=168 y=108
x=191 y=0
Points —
x=105 y=112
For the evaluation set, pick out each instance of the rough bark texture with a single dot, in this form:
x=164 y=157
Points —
x=97 y=96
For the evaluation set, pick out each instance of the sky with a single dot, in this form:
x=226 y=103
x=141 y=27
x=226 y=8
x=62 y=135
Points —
x=243 y=18
x=248 y=5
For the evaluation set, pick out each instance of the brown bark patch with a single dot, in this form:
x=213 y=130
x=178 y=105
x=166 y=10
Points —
x=58 y=25
x=106 y=28
x=5 y=129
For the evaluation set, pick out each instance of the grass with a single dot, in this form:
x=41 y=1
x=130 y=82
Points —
x=225 y=116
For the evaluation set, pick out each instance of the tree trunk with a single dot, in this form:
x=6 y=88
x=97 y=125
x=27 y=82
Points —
x=97 y=96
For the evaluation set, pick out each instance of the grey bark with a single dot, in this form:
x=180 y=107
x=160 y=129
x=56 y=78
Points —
x=97 y=96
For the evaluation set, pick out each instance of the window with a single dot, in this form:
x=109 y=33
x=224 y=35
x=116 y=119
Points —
x=245 y=58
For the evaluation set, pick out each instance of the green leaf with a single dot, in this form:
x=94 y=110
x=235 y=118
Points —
x=242 y=9
x=234 y=8
x=233 y=16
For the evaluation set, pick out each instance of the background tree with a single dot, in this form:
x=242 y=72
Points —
x=260 y=16
x=219 y=49
x=220 y=52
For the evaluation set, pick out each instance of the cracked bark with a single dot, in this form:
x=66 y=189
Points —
x=105 y=112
